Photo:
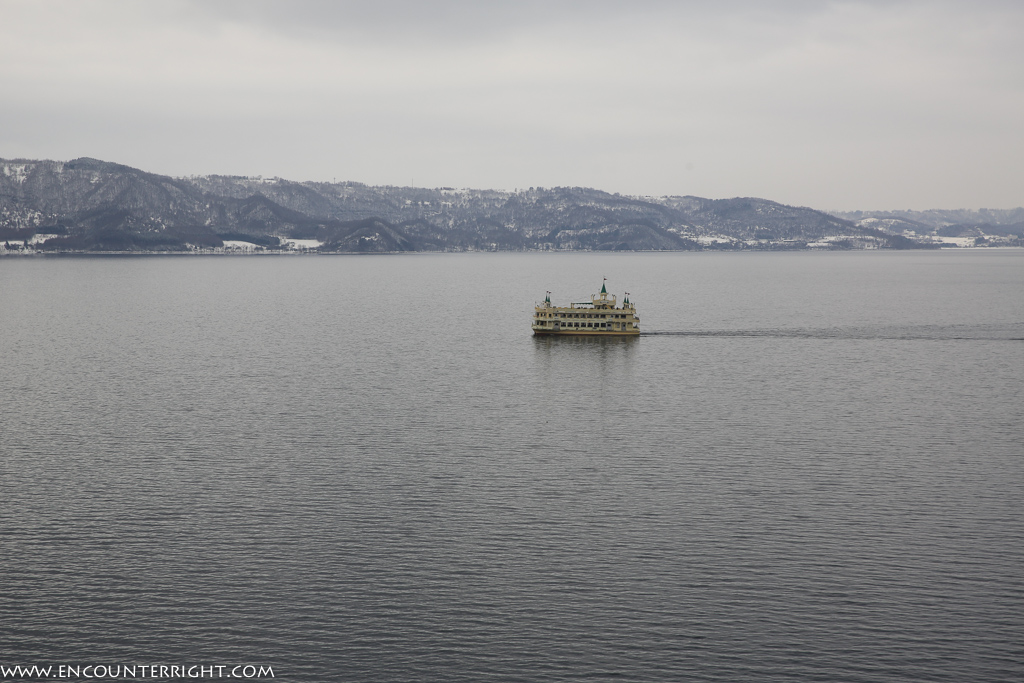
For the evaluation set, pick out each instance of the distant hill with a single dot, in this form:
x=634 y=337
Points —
x=956 y=226
x=87 y=205
x=937 y=218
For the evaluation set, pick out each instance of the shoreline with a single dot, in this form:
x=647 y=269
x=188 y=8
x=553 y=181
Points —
x=30 y=253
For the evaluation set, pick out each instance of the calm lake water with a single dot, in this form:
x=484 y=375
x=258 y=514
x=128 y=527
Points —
x=367 y=469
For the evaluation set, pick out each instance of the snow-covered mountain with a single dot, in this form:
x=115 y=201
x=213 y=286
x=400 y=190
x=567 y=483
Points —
x=91 y=205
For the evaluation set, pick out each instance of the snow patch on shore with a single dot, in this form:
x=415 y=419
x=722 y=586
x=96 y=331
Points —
x=301 y=244
x=958 y=241
x=239 y=245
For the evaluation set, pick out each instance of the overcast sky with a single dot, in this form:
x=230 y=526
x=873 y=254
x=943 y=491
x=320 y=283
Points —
x=835 y=105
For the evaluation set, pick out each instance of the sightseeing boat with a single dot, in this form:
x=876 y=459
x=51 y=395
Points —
x=598 y=317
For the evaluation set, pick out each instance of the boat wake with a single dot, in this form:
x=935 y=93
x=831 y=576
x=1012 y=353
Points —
x=1013 y=332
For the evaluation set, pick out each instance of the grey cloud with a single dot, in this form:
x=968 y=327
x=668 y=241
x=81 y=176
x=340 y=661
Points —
x=829 y=104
